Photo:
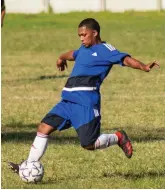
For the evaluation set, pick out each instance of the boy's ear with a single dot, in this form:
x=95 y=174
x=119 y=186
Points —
x=95 y=33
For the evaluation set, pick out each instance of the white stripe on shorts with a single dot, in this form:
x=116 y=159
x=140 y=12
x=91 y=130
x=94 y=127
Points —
x=79 y=89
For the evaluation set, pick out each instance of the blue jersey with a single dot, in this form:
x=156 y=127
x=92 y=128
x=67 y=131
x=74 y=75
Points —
x=92 y=65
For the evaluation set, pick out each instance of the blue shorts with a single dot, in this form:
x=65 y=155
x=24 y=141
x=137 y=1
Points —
x=85 y=120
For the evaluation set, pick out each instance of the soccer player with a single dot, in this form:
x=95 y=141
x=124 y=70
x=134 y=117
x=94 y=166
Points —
x=3 y=12
x=80 y=103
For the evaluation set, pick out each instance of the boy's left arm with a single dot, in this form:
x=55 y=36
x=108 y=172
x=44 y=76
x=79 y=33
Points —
x=136 y=64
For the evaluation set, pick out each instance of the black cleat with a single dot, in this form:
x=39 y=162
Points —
x=14 y=167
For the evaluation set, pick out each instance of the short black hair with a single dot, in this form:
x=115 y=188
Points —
x=90 y=23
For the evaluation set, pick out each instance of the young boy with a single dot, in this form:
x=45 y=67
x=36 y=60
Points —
x=80 y=104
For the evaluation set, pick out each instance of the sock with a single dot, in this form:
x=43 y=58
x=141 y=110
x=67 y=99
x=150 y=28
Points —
x=106 y=140
x=38 y=147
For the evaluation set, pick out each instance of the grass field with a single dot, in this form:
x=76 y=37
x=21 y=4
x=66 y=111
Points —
x=131 y=100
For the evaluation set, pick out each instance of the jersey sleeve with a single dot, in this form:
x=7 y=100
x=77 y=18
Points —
x=75 y=53
x=117 y=57
x=114 y=56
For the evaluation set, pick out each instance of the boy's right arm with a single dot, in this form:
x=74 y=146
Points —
x=67 y=56
x=62 y=60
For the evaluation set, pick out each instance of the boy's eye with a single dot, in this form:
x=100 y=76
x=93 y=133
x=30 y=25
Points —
x=81 y=35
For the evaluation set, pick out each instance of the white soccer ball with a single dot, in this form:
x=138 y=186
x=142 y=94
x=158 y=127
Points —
x=31 y=172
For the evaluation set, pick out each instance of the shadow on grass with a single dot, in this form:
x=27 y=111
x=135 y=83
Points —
x=28 y=137
x=143 y=134
x=127 y=176
x=43 y=77
x=20 y=132
x=15 y=125
x=134 y=176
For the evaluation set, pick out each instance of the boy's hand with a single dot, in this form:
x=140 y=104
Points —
x=151 y=65
x=61 y=64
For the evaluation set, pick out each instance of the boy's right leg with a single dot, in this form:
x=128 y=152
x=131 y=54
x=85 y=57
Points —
x=57 y=118
x=40 y=142
x=38 y=147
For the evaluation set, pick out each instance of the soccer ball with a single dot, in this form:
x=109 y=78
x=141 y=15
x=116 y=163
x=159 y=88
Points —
x=31 y=172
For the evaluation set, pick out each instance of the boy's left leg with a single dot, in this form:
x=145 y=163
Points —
x=89 y=133
x=120 y=138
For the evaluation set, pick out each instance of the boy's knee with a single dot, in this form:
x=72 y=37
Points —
x=88 y=147
x=45 y=129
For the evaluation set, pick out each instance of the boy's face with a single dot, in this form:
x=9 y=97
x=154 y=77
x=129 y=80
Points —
x=87 y=36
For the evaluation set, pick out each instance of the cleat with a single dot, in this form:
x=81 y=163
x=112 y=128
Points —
x=125 y=143
x=15 y=167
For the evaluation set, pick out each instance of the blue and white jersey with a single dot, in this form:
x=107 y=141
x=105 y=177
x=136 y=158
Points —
x=92 y=65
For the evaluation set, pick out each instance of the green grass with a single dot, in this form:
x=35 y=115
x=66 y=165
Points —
x=131 y=100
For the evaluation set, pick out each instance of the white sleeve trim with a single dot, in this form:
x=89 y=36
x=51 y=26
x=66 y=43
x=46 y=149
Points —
x=109 y=46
